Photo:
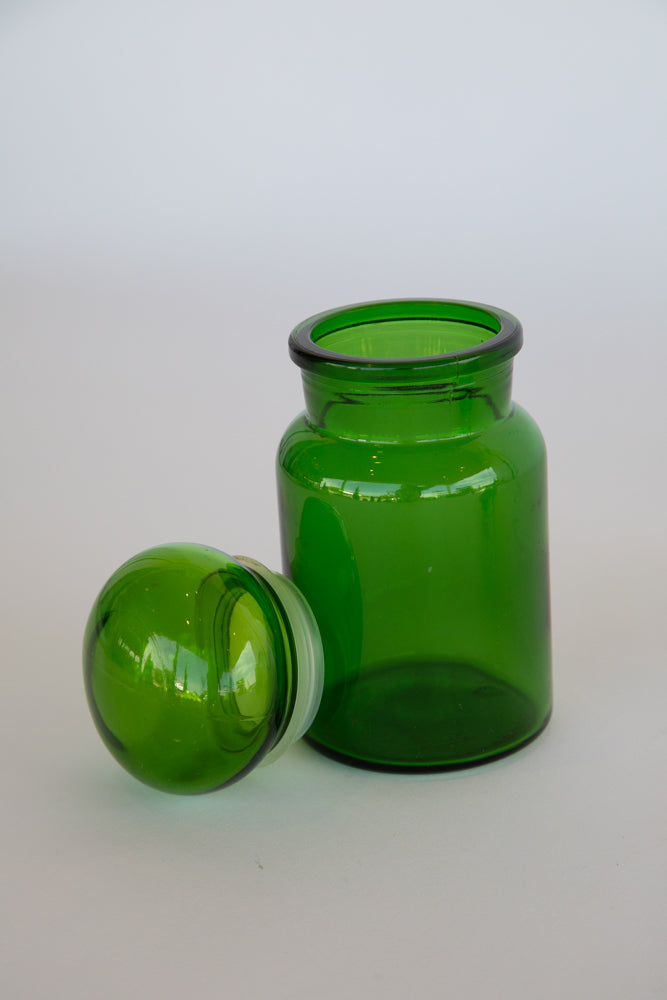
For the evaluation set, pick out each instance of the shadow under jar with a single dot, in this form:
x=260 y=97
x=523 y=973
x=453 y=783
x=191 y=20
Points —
x=412 y=499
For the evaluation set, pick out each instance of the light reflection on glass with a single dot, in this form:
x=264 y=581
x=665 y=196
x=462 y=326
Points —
x=374 y=491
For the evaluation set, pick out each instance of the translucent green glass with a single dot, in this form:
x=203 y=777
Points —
x=413 y=514
x=196 y=665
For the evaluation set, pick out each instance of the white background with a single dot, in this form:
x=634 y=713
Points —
x=181 y=183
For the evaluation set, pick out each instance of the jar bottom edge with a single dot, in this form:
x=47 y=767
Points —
x=426 y=715
x=419 y=767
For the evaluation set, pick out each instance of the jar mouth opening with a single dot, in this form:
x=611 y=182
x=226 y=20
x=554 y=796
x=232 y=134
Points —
x=406 y=335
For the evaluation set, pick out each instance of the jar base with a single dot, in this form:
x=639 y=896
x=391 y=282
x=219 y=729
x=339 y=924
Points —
x=426 y=716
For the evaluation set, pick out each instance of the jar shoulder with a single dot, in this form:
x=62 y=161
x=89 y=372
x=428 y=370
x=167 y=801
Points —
x=507 y=448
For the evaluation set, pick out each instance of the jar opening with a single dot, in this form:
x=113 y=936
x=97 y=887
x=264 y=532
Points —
x=404 y=335
x=403 y=338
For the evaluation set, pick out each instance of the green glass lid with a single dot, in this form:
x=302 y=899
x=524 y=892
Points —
x=198 y=666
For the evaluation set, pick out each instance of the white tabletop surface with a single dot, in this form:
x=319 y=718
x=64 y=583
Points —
x=181 y=184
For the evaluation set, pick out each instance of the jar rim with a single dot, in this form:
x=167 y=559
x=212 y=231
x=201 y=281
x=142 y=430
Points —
x=307 y=351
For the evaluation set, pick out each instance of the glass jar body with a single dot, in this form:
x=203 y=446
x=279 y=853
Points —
x=425 y=563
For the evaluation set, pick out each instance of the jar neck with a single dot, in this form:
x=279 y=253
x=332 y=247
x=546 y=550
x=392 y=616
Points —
x=459 y=401
x=406 y=369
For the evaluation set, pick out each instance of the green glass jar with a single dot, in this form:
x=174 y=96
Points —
x=413 y=515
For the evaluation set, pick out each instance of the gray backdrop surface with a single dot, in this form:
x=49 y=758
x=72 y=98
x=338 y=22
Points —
x=181 y=183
